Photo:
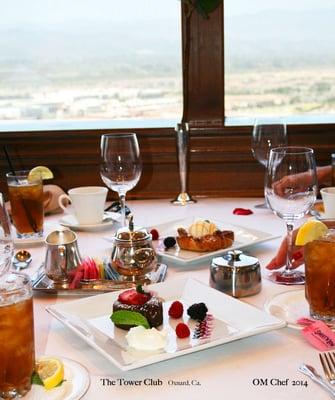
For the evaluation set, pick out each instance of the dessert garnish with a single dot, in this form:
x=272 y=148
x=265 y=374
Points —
x=197 y=311
x=176 y=309
x=154 y=234
x=133 y=318
x=242 y=211
x=146 y=339
x=203 y=236
x=134 y=296
x=169 y=242
x=182 y=330
x=204 y=328
x=139 y=301
x=50 y=371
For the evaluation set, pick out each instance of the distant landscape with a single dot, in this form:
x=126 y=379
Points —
x=279 y=63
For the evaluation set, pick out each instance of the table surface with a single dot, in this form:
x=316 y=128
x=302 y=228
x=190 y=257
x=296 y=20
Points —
x=259 y=367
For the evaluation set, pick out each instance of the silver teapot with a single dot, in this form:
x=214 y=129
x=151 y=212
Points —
x=133 y=255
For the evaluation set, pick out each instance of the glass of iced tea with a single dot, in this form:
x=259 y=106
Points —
x=17 y=351
x=26 y=200
x=320 y=277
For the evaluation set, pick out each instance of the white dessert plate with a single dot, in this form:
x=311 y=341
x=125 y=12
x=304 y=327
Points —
x=243 y=237
x=75 y=385
x=70 y=221
x=89 y=318
x=289 y=306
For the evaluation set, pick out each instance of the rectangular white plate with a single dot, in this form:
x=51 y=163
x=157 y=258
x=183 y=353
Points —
x=233 y=319
x=243 y=237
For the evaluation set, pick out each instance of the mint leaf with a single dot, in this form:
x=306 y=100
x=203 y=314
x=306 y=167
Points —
x=36 y=380
x=124 y=317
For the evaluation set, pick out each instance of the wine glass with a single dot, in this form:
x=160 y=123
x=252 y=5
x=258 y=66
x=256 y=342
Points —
x=290 y=191
x=6 y=241
x=267 y=134
x=121 y=165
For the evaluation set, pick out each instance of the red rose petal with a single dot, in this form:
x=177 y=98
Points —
x=242 y=211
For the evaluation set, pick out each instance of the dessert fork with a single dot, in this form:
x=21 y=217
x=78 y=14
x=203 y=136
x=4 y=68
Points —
x=328 y=365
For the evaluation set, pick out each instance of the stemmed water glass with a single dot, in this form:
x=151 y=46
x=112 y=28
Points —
x=290 y=191
x=121 y=165
x=267 y=134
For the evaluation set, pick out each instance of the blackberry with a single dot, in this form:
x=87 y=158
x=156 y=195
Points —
x=197 y=311
x=169 y=241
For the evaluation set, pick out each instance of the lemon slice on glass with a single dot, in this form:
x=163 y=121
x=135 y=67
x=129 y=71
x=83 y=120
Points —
x=309 y=231
x=51 y=371
x=40 y=172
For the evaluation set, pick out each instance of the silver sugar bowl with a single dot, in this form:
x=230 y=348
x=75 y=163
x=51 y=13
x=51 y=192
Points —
x=133 y=255
x=236 y=274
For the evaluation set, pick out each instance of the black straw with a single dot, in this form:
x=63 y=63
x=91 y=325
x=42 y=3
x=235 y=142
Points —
x=9 y=161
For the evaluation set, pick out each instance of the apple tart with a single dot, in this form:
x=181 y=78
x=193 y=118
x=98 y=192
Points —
x=203 y=236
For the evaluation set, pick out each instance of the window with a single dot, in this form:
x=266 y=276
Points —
x=90 y=59
x=279 y=58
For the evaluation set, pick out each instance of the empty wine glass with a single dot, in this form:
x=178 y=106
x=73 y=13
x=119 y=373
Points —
x=267 y=134
x=6 y=242
x=290 y=191
x=121 y=165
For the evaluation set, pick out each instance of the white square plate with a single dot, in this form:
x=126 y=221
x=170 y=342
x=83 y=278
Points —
x=89 y=318
x=243 y=237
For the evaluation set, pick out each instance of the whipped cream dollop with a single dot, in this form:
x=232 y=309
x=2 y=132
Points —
x=201 y=228
x=146 y=339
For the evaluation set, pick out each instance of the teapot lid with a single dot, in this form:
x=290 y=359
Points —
x=131 y=232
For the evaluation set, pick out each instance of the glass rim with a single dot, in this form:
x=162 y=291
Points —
x=118 y=135
x=25 y=283
x=23 y=175
x=292 y=150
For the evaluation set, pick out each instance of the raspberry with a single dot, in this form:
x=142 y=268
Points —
x=169 y=241
x=176 y=309
x=154 y=234
x=182 y=330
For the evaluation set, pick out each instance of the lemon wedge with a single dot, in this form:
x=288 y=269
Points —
x=40 y=172
x=309 y=231
x=51 y=371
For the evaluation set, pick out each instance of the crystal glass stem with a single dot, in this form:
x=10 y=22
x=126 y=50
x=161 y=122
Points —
x=122 y=197
x=289 y=227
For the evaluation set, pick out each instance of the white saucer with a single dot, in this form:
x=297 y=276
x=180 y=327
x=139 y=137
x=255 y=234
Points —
x=70 y=221
x=289 y=306
x=77 y=382
x=48 y=227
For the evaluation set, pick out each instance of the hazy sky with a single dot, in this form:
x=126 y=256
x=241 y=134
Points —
x=60 y=10
x=55 y=11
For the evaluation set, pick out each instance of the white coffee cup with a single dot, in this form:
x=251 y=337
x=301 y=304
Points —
x=88 y=203
x=328 y=197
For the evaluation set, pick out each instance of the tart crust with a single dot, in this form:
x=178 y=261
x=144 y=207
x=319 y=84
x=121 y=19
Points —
x=211 y=242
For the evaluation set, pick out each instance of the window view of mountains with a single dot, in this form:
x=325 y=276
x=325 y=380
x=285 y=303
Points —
x=280 y=62
x=90 y=71
x=277 y=61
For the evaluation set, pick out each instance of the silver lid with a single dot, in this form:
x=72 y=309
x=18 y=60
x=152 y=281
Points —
x=235 y=259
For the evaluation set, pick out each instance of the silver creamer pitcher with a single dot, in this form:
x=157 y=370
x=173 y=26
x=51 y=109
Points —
x=62 y=256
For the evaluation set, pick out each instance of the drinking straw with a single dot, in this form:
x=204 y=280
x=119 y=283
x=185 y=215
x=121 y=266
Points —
x=11 y=168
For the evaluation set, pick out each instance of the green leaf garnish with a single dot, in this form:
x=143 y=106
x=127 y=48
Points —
x=36 y=380
x=125 y=317
x=139 y=289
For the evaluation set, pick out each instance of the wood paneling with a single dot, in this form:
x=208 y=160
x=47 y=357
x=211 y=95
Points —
x=221 y=163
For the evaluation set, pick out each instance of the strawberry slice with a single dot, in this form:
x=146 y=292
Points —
x=132 y=297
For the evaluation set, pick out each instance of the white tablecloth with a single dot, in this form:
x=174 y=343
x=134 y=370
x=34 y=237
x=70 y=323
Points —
x=259 y=367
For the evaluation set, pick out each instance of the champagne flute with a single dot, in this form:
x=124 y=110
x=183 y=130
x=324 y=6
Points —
x=267 y=134
x=121 y=165
x=290 y=191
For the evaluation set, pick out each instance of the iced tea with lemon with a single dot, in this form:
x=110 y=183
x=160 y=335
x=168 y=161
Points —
x=320 y=276
x=17 y=351
x=26 y=200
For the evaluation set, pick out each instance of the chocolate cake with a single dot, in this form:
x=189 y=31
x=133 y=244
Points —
x=151 y=309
